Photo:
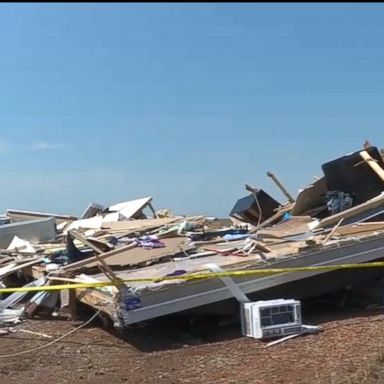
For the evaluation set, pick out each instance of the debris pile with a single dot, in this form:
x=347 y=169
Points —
x=133 y=263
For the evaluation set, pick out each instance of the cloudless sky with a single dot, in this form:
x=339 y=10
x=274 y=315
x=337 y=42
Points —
x=182 y=102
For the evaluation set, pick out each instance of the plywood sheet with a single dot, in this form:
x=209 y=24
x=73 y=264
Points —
x=139 y=255
x=131 y=225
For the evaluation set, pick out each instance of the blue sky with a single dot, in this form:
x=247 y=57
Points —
x=182 y=102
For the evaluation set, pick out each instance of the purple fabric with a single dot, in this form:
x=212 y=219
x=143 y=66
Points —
x=149 y=242
x=178 y=272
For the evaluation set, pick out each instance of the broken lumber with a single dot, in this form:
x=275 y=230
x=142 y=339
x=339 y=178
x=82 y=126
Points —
x=281 y=187
x=373 y=164
x=93 y=259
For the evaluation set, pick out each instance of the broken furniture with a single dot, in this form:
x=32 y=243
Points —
x=255 y=208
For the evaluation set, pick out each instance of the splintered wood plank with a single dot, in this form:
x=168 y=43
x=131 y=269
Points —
x=359 y=228
x=140 y=255
x=134 y=256
x=93 y=259
x=354 y=211
x=130 y=225
x=295 y=225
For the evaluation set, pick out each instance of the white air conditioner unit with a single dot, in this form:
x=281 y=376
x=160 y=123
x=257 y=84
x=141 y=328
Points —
x=271 y=318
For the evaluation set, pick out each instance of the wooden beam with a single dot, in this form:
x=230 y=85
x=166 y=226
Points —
x=22 y=266
x=281 y=187
x=333 y=231
x=65 y=279
x=373 y=164
x=105 y=268
x=93 y=259
x=153 y=210
x=276 y=216
x=77 y=236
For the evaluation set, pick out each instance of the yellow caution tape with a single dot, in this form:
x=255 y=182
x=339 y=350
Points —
x=198 y=276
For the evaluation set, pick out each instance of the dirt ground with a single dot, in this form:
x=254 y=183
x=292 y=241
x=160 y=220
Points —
x=349 y=349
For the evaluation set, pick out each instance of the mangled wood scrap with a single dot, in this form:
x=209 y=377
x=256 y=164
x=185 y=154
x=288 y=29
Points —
x=104 y=267
x=14 y=267
x=257 y=245
x=281 y=187
x=64 y=279
x=373 y=164
x=139 y=256
x=103 y=246
x=106 y=299
x=252 y=246
x=44 y=335
x=332 y=231
x=97 y=245
x=359 y=228
x=293 y=226
x=233 y=251
x=60 y=227
x=93 y=260
x=284 y=248
x=97 y=299
x=277 y=217
x=202 y=243
x=138 y=225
